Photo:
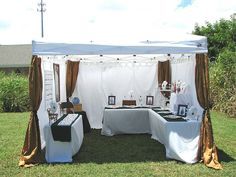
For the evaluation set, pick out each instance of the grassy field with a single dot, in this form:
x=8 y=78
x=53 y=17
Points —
x=123 y=155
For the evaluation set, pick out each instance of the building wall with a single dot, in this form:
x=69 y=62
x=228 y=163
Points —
x=15 y=58
x=20 y=70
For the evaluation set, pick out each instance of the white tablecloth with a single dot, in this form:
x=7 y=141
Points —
x=125 y=121
x=179 y=138
x=57 y=151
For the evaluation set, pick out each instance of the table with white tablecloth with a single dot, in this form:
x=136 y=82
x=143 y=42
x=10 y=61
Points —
x=179 y=138
x=58 y=151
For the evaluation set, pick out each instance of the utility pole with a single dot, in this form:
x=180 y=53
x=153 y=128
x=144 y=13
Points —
x=41 y=10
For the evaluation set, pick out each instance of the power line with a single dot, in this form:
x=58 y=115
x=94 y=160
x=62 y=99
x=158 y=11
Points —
x=41 y=10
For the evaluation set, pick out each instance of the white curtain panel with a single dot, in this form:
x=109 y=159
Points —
x=97 y=81
x=183 y=69
x=89 y=90
x=117 y=80
x=145 y=81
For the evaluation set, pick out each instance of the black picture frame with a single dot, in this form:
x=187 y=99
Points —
x=182 y=110
x=111 y=100
x=149 y=100
x=56 y=71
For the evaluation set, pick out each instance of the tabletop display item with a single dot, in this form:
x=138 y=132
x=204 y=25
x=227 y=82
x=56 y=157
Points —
x=111 y=100
x=182 y=110
x=140 y=100
x=149 y=100
x=75 y=101
x=52 y=115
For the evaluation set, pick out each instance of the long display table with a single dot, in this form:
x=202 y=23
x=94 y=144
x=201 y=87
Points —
x=180 y=138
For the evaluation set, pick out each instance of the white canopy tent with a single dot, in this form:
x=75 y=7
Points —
x=98 y=79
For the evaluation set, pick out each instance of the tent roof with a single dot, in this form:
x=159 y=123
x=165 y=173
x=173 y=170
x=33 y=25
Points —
x=179 y=45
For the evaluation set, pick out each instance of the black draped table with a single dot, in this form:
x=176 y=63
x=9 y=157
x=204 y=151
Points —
x=86 y=124
x=62 y=150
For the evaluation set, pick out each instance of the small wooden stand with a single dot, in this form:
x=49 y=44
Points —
x=129 y=103
x=78 y=107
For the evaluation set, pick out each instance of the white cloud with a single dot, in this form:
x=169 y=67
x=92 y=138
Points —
x=106 y=20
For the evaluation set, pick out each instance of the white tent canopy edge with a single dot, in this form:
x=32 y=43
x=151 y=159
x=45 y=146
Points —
x=187 y=44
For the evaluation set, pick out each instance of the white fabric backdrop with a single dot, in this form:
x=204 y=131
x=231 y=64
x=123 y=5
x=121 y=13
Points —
x=97 y=81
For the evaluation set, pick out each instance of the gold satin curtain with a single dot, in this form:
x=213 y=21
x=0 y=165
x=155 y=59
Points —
x=164 y=74
x=31 y=151
x=71 y=77
x=207 y=149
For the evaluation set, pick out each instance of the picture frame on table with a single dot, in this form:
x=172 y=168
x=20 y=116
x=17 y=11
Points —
x=149 y=100
x=111 y=100
x=182 y=110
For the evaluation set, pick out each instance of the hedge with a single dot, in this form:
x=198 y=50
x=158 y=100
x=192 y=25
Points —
x=14 y=93
x=223 y=83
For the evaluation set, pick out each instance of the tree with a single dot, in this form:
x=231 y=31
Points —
x=221 y=37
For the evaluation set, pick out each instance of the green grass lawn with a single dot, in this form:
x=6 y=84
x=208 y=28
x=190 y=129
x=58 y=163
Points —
x=123 y=155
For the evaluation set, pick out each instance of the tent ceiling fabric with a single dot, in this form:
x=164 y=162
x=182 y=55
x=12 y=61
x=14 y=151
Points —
x=190 y=44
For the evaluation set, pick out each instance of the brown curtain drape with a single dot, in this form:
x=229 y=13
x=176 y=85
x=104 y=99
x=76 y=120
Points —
x=164 y=74
x=71 y=77
x=31 y=151
x=207 y=148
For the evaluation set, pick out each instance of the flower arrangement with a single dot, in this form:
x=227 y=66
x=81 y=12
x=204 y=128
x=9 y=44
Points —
x=178 y=86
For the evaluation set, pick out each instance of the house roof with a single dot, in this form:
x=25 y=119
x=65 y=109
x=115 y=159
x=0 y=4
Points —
x=15 y=55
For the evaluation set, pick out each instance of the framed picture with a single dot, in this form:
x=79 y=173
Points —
x=182 y=110
x=149 y=100
x=56 y=71
x=111 y=100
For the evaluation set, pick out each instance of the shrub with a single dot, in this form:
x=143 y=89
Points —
x=223 y=83
x=14 y=95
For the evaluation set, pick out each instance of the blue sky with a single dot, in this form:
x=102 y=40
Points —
x=185 y=3
x=106 y=20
